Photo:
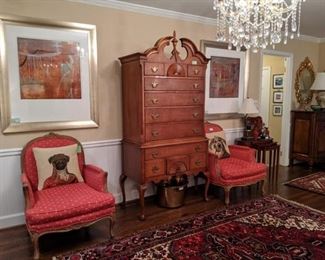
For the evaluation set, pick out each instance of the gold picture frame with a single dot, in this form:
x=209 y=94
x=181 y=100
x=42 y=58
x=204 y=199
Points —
x=48 y=72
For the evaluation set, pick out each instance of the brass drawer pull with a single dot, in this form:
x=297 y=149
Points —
x=195 y=114
x=196 y=71
x=154 y=84
x=155 y=155
x=154 y=133
x=198 y=163
x=155 y=116
x=155 y=101
x=196 y=100
x=196 y=131
x=154 y=69
x=155 y=169
x=197 y=148
x=196 y=85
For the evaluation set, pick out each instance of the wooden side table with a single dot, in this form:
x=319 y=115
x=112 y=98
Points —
x=264 y=147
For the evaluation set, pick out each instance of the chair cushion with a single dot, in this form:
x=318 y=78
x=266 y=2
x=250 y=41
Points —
x=233 y=168
x=68 y=201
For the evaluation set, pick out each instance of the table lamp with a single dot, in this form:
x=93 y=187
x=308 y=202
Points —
x=319 y=87
x=248 y=107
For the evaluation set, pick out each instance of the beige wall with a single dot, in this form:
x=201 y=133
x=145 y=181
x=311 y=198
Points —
x=276 y=63
x=321 y=57
x=121 y=33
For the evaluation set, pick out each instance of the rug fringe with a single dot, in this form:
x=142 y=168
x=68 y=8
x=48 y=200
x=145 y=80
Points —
x=301 y=177
x=298 y=204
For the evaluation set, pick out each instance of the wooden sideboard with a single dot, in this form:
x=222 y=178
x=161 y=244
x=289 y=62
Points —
x=307 y=136
x=163 y=114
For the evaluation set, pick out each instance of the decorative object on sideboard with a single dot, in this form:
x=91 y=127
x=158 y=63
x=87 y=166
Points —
x=305 y=77
x=257 y=24
x=319 y=88
x=247 y=108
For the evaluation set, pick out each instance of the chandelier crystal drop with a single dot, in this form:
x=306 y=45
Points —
x=255 y=24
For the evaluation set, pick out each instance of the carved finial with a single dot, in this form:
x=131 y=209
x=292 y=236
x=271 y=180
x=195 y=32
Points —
x=175 y=53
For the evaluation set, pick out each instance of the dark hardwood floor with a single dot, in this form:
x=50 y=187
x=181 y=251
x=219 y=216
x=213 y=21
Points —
x=15 y=242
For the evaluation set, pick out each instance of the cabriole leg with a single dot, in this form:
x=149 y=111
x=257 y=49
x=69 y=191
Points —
x=122 y=185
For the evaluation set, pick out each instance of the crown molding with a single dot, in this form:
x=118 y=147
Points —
x=308 y=38
x=125 y=6
x=322 y=40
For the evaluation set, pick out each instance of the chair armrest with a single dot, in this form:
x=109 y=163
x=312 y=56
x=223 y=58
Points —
x=244 y=153
x=95 y=177
x=28 y=192
x=213 y=167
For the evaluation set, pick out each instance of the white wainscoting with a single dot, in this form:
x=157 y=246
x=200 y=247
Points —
x=105 y=154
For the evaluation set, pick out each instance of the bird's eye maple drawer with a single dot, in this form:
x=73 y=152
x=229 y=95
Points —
x=198 y=160
x=173 y=150
x=171 y=131
x=151 y=68
x=178 y=164
x=154 y=168
x=159 y=115
x=152 y=99
x=152 y=83
x=196 y=71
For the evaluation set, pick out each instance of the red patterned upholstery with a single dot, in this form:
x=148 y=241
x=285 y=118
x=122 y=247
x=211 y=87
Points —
x=95 y=177
x=240 y=169
x=66 y=202
x=65 y=207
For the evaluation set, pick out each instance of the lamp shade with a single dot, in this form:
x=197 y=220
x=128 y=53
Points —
x=319 y=83
x=248 y=107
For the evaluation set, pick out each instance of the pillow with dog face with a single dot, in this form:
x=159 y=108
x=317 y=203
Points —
x=217 y=141
x=57 y=166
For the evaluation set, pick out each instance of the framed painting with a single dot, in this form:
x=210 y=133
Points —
x=278 y=80
x=277 y=110
x=48 y=75
x=277 y=97
x=226 y=76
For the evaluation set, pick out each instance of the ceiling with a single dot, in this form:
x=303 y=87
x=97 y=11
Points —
x=312 y=17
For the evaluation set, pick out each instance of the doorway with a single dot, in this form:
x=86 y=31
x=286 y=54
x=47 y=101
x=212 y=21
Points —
x=275 y=98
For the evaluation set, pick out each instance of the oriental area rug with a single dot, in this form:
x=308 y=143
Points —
x=313 y=182
x=267 y=228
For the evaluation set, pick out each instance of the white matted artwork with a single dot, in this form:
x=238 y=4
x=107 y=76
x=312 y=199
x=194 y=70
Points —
x=225 y=80
x=48 y=74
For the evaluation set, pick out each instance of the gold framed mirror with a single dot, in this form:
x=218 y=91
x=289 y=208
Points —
x=305 y=77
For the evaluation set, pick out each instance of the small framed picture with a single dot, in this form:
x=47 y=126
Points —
x=277 y=110
x=278 y=81
x=277 y=97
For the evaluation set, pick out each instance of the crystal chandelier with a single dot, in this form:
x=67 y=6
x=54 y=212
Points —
x=255 y=24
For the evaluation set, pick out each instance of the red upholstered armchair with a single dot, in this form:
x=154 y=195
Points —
x=237 y=169
x=65 y=207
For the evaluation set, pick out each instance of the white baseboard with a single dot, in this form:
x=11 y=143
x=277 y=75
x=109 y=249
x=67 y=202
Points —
x=105 y=154
x=12 y=220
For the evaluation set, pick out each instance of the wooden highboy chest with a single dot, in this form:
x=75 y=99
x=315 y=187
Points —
x=163 y=114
